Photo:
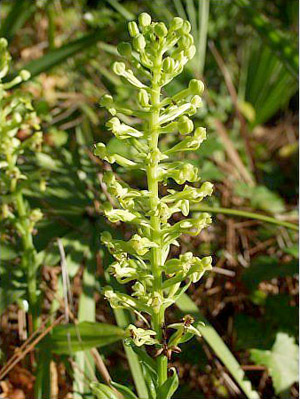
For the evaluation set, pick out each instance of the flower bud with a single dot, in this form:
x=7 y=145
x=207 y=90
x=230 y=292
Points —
x=25 y=75
x=133 y=29
x=124 y=49
x=176 y=23
x=185 y=125
x=3 y=43
x=190 y=52
x=160 y=30
x=196 y=101
x=144 y=20
x=196 y=87
x=36 y=215
x=143 y=98
x=119 y=68
x=168 y=65
x=186 y=41
x=186 y=27
x=139 y=43
x=106 y=100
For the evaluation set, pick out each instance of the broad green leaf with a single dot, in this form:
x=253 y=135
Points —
x=7 y=252
x=70 y=338
x=167 y=390
x=281 y=361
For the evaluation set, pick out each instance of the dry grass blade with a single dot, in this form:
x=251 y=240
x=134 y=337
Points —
x=30 y=347
x=234 y=97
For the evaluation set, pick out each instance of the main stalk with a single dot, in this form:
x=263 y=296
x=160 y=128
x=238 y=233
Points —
x=152 y=179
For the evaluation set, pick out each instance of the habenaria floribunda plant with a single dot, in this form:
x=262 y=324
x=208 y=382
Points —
x=157 y=55
x=19 y=135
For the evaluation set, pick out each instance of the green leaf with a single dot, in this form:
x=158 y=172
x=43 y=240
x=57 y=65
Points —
x=169 y=387
x=126 y=392
x=18 y=14
x=244 y=214
x=281 y=361
x=7 y=252
x=72 y=338
x=57 y=56
x=269 y=86
x=261 y=198
x=278 y=42
x=187 y=306
x=102 y=391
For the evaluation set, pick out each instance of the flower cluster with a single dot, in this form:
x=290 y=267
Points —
x=17 y=121
x=156 y=56
x=19 y=135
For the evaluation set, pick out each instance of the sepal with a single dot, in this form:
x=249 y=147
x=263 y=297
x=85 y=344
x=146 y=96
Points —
x=140 y=336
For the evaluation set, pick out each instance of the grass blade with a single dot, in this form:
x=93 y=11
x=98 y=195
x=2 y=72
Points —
x=245 y=214
x=180 y=9
x=203 y=17
x=187 y=306
x=276 y=39
x=19 y=13
x=57 y=56
x=121 y=9
x=191 y=10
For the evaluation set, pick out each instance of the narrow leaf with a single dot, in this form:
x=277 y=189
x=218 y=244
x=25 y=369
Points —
x=186 y=305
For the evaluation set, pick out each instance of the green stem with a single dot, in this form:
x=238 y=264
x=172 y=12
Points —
x=152 y=179
x=28 y=258
x=245 y=214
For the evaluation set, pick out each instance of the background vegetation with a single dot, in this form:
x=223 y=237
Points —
x=247 y=57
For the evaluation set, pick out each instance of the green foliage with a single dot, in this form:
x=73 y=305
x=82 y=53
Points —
x=17 y=115
x=67 y=339
x=281 y=361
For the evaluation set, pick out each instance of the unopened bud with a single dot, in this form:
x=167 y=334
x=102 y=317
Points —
x=168 y=65
x=196 y=87
x=133 y=29
x=25 y=75
x=124 y=49
x=185 y=125
x=119 y=68
x=176 y=23
x=186 y=27
x=190 y=52
x=143 y=98
x=139 y=43
x=186 y=41
x=144 y=20
x=3 y=43
x=196 y=101
x=161 y=30
x=106 y=100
